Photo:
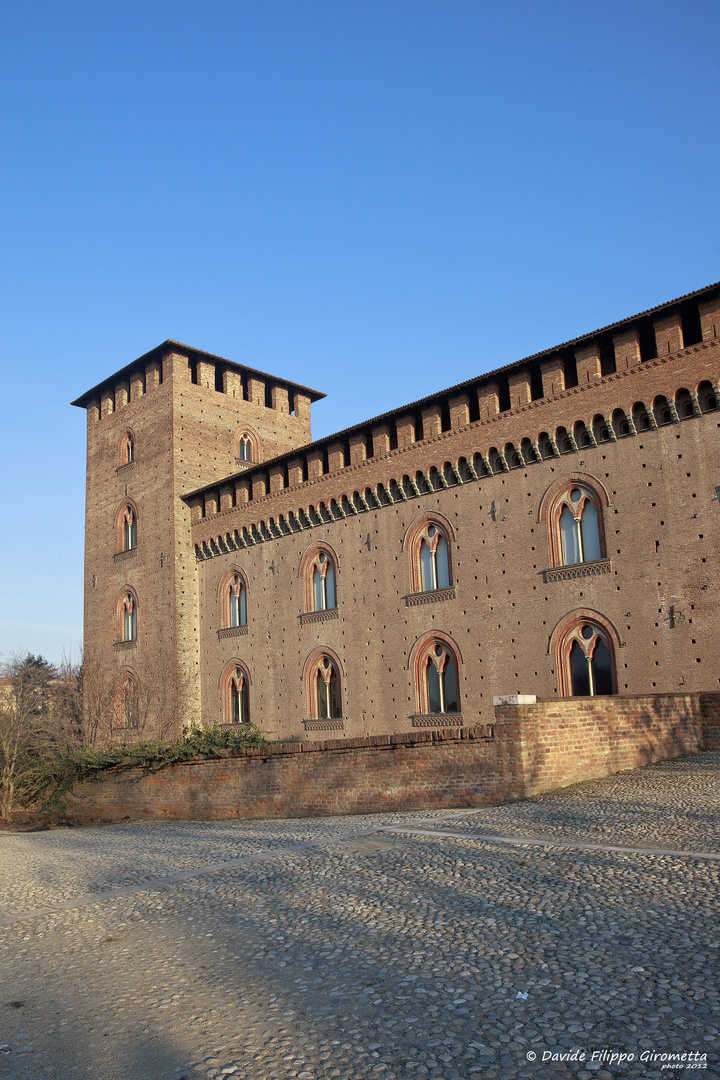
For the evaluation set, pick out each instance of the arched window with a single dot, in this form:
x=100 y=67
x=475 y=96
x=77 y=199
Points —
x=600 y=428
x=318 y=568
x=127 y=448
x=585 y=644
x=233 y=598
x=127 y=701
x=428 y=541
x=323 y=674
x=235 y=688
x=579 y=529
x=573 y=510
x=435 y=661
x=129 y=530
x=126 y=527
x=247 y=444
x=126 y=616
x=684 y=404
x=434 y=560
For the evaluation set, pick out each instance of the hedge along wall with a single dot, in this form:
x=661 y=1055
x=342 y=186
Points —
x=530 y=749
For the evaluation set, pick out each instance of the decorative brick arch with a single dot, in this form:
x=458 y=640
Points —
x=322 y=557
x=319 y=663
x=234 y=688
x=412 y=541
x=566 y=631
x=128 y=447
x=246 y=436
x=556 y=498
x=126 y=614
x=127 y=700
x=233 y=577
x=127 y=508
x=424 y=650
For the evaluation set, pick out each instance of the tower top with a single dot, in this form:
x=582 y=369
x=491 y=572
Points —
x=193 y=355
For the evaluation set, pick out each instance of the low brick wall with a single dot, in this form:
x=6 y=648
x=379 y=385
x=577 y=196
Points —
x=530 y=749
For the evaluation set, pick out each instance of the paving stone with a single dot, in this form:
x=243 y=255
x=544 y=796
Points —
x=336 y=948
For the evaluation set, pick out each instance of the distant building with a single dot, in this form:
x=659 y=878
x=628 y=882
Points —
x=552 y=527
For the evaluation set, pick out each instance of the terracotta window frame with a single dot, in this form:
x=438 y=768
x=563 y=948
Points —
x=233 y=583
x=319 y=572
x=322 y=667
x=126 y=615
x=429 y=529
x=246 y=445
x=437 y=649
x=557 y=498
x=126 y=526
x=235 y=684
x=127 y=448
x=127 y=701
x=570 y=630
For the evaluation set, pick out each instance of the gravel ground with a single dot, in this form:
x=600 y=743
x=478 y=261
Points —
x=395 y=945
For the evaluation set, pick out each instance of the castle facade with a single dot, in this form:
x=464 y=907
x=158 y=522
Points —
x=549 y=528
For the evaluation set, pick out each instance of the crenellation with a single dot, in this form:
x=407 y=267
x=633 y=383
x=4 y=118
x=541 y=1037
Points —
x=453 y=468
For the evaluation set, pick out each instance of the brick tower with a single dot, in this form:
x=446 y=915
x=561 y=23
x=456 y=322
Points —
x=173 y=420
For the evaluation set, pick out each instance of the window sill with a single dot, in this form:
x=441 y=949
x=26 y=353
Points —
x=120 y=556
x=231 y=631
x=319 y=616
x=335 y=724
x=450 y=719
x=123 y=468
x=579 y=570
x=432 y=596
x=125 y=644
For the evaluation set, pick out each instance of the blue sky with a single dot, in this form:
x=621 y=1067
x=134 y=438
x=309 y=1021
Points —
x=375 y=198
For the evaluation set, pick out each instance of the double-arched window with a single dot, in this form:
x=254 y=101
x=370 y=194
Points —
x=323 y=674
x=127 y=701
x=127 y=448
x=235 y=691
x=233 y=598
x=318 y=569
x=126 y=616
x=584 y=643
x=573 y=511
x=435 y=663
x=126 y=527
x=428 y=541
x=578 y=527
x=247 y=444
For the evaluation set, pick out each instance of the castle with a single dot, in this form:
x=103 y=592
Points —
x=549 y=528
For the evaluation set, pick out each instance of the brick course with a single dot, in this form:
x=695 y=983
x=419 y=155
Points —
x=531 y=749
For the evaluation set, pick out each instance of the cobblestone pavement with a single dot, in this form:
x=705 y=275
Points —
x=461 y=944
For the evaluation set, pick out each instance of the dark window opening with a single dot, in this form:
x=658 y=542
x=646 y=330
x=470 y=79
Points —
x=268 y=396
x=325 y=461
x=474 y=405
x=193 y=371
x=418 y=426
x=393 y=435
x=346 y=454
x=691 y=328
x=570 y=371
x=219 y=378
x=445 y=415
x=648 y=346
x=504 y=394
x=304 y=468
x=607 y=356
x=536 y=384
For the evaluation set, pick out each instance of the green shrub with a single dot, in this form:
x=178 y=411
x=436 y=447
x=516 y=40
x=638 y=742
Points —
x=45 y=780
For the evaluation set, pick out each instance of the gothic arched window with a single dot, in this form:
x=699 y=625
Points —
x=235 y=686
x=586 y=660
x=126 y=616
x=435 y=661
x=318 y=569
x=233 y=598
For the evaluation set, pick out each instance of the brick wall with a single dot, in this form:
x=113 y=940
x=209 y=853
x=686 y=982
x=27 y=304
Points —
x=530 y=749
